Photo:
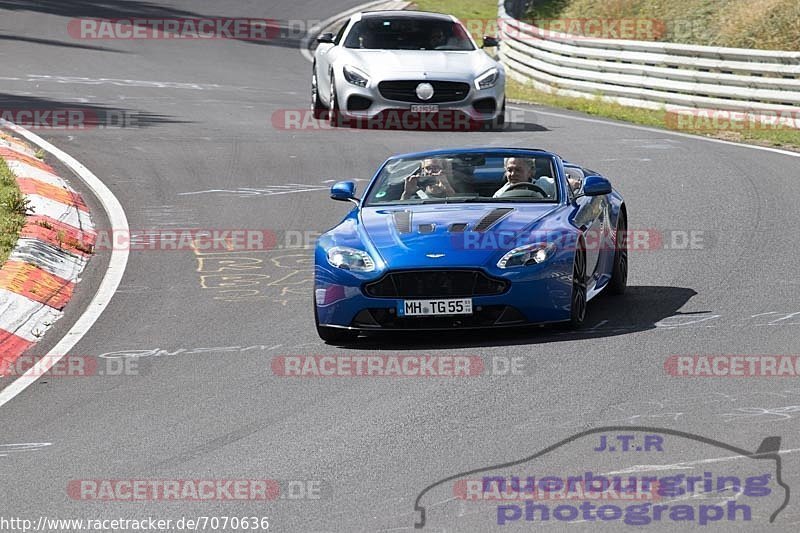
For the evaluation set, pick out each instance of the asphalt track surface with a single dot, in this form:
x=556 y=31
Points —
x=204 y=124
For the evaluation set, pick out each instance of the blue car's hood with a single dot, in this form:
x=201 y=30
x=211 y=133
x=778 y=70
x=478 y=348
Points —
x=396 y=232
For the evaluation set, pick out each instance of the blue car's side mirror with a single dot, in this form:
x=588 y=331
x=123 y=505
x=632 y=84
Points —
x=596 y=186
x=344 y=191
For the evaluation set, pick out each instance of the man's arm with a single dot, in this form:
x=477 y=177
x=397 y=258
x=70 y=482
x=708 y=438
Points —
x=411 y=187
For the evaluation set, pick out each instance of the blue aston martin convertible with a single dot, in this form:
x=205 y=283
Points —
x=469 y=238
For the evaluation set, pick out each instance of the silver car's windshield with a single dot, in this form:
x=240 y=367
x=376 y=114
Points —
x=408 y=33
x=473 y=177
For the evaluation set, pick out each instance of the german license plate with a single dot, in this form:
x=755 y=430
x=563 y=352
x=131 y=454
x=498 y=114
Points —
x=436 y=307
x=428 y=108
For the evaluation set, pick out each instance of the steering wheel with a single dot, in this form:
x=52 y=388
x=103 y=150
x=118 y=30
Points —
x=527 y=185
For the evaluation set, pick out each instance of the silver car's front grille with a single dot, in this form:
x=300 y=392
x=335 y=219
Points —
x=406 y=91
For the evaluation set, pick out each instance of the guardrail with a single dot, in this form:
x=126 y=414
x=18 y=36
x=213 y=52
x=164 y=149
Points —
x=654 y=75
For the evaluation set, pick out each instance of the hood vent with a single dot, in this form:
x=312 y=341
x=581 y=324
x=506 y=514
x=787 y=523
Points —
x=493 y=218
x=458 y=227
x=427 y=228
x=402 y=221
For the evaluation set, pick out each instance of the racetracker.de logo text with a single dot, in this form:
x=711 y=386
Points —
x=241 y=29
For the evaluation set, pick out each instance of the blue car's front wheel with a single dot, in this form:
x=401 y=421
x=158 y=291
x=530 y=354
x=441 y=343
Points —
x=619 y=275
x=577 y=312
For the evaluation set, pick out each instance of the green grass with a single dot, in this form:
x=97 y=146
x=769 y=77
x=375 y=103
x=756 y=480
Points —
x=474 y=13
x=526 y=93
x=12 y=209
x=462 y=9
x=764 y=24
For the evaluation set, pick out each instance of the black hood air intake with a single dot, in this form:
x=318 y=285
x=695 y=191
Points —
x=492 y=218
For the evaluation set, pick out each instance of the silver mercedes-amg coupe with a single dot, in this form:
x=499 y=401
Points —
x=405 y=61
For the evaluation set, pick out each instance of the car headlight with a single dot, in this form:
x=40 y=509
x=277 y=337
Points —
x=488 y=79
x=350 y=259
x=355 y=76
x=529 y=254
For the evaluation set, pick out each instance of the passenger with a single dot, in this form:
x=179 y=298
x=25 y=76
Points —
x=574 y=178
x=463 y=178
x=431 y=181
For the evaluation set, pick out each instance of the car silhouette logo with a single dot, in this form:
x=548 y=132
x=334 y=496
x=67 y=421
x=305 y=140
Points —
x=510 y=492
x=434 y=256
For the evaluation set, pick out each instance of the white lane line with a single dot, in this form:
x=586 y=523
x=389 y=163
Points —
x=23 y=446
x=36 y=78
x=657 y=130
x=109 y=283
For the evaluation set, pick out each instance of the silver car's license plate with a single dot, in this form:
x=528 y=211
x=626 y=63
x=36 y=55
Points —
x=427 y=108
x=462 y=306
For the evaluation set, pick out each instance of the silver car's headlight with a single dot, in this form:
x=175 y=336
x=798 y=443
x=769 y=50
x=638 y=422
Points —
x=348 y=258
x=529 y=254
x=355 y=76
x=488 y=79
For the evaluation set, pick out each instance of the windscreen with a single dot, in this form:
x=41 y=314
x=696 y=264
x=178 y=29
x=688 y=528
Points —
x=474 y=177
x=408 y=33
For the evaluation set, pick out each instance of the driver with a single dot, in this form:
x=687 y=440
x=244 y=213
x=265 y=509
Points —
x=429 y=182
x=520 y=170
x=437 y=39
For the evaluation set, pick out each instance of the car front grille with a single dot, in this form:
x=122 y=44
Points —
x=435 y=284
x=406 y=91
